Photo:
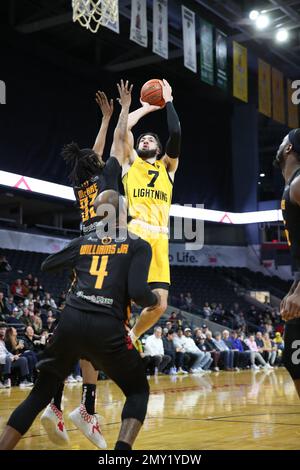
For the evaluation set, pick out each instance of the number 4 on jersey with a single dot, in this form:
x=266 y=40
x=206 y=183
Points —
x=99 y=272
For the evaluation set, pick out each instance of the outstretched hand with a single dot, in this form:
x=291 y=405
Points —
x=107 y=107
x=167 y=91
x=125 y=90
x=149 y=107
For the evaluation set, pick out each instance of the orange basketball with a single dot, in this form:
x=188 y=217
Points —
x=151 y=92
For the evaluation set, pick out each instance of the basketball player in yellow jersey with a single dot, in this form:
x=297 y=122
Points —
x=148 y=177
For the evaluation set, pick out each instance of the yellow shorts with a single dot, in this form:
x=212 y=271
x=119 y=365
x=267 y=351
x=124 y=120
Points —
x=159 y=270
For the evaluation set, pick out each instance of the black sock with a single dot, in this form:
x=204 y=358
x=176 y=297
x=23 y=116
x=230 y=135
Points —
x=56 y=400
x=120 y=445
x=89 y=397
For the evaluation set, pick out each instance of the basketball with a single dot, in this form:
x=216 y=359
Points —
x=151 y=92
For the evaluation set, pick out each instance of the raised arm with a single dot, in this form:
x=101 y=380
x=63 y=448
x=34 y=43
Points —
x=171 y=157
x=119 y=148
x=133 y=119
x=139 y=113
x=107 y=108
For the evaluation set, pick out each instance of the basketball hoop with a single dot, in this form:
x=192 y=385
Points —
x=92 y=14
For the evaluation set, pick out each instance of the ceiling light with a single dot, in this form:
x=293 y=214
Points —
x=282 y=35
x=262 y=22
x=253 y=15
x=262 y=175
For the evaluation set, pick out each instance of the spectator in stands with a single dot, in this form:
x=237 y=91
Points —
x=37 y=324
x=51 y=323
x=226 y=354
x=30 y=351
x=252 y=344
x=189 y=302
x=61 y=299
x=270 y=349
x=3 y=308
x=155 y=349
x=29 y=278
x=278 y=340
x=197 y=336
x=29 y=339
x=174 y=320
x=4 y=264
x=43 y=340
x=239 y=358
x=170 y=350
x=210 y=347
x=204 y=328
x=13 y=319
x=243 y=353
x=37 y=302
x=25 y=318
x=206 y=310
x=36 y=288
x=10 y=304
x=268 y=327
x=260 y=343
x=179 y=341
x=48 y=301
x=203 y=348
x=12 y=362
x=200 y=361
x=26 y=287
x=29 y=299
x=181 y=302
x=17 y=289
x=169 y=325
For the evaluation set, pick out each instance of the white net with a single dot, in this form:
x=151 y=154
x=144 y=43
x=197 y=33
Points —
x=92 y=14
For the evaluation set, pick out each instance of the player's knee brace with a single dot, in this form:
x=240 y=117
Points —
x=136 y=405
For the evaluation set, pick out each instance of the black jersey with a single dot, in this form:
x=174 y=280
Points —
x=108 y=273
x=291 y=217
x=107 y=178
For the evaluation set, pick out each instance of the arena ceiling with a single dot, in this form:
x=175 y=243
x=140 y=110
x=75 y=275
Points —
x=51 y=23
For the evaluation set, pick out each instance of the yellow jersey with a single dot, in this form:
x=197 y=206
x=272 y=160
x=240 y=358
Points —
x=148 y=189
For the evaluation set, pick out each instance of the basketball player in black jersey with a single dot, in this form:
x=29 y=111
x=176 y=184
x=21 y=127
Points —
x=288 y=160
x=110 y=272
x=89 y=176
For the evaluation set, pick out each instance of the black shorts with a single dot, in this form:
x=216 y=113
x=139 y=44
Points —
x=99 y=338
x=159 y=285
x=291 y=353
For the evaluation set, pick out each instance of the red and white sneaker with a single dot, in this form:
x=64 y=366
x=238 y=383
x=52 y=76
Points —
x=53 y=423
x=88 y=425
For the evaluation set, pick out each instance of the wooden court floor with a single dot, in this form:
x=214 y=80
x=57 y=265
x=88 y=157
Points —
x=225 y=410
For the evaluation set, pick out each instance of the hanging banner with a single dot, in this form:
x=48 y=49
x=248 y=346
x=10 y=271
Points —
x=138 y=27
x=160 y=28
x=264 y=88
x=207 y=52
x=189 y=39
x=278 y=96
x=114 y=25
x=293 y=109
x=221 y=59
x=240 y=72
